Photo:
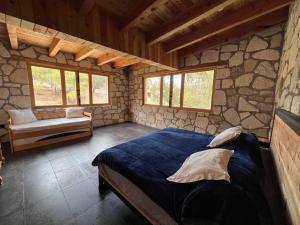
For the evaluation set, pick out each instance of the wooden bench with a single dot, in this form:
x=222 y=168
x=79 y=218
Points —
x=49 y=131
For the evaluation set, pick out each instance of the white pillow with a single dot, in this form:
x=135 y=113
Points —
x=225 y=136
x=209 y=164
x=21 y=116
x=74 y=112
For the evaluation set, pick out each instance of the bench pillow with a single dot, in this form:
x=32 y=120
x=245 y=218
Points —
x=225 y=136
x=204 y=165
x=74 y=112
x=21 y=116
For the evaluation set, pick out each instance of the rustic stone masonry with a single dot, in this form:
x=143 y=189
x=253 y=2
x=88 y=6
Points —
x=288 y=83
x=14 y=88
x=244 y=93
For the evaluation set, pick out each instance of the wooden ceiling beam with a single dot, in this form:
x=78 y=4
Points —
x=229 y=20
x=238 y=32
x=145 y=5
x=123 y=62
x=84 y=53
x=107 y=58
x=184 y=20
x=13 y=36
x=55 y=46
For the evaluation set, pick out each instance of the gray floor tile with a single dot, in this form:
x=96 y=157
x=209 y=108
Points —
x=82 y=196
x=53 y=210
x=62 y=163
x=71 y=176
x=36 y=190
x=59 y=185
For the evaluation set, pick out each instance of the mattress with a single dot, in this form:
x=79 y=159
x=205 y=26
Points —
x=49 y=124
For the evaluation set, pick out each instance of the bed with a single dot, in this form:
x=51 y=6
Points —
x=137 y=172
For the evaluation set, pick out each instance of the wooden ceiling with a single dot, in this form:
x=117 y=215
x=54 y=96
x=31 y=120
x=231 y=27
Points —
x=154 y=30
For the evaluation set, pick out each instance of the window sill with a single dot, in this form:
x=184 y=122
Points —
x=181 y=108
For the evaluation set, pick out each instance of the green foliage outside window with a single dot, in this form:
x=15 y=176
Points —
x=70 y=81
x=152 y=87
x=100 y=89
x=84 y=88
x=46 y=86
x=166 y=90
x=198 y=89
x=176 y=90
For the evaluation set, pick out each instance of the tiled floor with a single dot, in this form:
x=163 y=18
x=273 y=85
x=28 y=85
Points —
x=59 y=185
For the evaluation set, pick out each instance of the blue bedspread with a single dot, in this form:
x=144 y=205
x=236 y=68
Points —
x=147 y=161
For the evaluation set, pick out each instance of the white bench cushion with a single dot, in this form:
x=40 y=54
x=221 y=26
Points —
x=49 y=124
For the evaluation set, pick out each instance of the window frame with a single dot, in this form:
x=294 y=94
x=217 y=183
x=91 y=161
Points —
x=62 y=69
x=182 y=73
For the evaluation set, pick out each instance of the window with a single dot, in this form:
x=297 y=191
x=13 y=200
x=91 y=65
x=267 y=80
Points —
x=84 y=88
x=71 y=89
x=152 y=94
x=166 y=90
x=46 y=86
x=198 y=89
x=100 y=89
x=176 y=90
x=54 y=86
x=184 y=89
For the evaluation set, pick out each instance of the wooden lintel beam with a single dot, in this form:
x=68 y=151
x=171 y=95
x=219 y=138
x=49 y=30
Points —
x=54 y=46
x=145 y=5
x=107 y=58
x=229 y=20
x=238 y=32
x=83 y=53
x=184 y=20
x=125 y=62
x=13 y=36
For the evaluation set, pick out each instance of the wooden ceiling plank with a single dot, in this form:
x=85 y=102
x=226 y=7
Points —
x=123 y=62
x=238 y=32
x=243 y=15
x=86 y=6
x=182 y=21
x=55 y=46
x=140 y=11
x=13 y=36
x=107 y=58
x=83 y=53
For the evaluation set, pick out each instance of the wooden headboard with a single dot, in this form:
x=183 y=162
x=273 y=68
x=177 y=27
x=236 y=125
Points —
x=285 y=144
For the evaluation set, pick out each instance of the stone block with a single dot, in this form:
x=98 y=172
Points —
x=244 y=80
x=256 y=43
x=237 y=59
x=262 y=83
x=267 y=54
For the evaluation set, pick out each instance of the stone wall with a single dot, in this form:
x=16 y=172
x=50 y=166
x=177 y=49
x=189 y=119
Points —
x=245 y=87
x=14 y=88
x=288 y=83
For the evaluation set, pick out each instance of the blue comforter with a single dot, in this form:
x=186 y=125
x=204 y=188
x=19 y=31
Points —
x=149 y=160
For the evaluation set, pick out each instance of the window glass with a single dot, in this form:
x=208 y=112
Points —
x=46 y=86
x=198 y=89
x=70 y=81
x=84 y=88
x=166 y=90
x=100 y=89
x=152 y=90
x=176 y=90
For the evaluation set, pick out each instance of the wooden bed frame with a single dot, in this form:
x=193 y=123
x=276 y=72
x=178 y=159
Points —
x=51 y=132
x=285 y=144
